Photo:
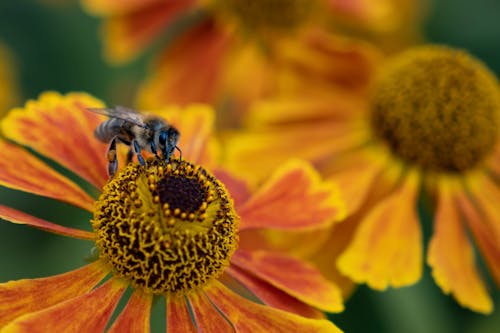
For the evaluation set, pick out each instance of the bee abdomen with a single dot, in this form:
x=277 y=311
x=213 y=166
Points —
x=107 y=130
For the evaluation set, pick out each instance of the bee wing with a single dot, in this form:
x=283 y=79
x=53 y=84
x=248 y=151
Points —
x=121 y=112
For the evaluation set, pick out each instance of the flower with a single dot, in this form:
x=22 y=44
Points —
x=217 y=47
x=166 y=229
x=427 y=128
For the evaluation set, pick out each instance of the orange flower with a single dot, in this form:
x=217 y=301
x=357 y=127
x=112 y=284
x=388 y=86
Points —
x=164 y=229
x=226 y=52
x=428 y=128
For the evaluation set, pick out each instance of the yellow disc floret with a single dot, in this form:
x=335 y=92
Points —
x=168 y=228
x=438 y=108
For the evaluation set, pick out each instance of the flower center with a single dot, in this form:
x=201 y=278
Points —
x=268 y=15
x=168 y=228
x=438 y=108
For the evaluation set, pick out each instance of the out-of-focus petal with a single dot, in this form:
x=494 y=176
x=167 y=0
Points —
x=26 y=296
x=247 y=316
x=306 y=283
x=273 y=296
x=320 y=59
x=114 y=7
x=237 y=188
x=190 y=70
x=387 y=246
x=21 y=170
x=195 y=123
x=135 y=317
x=294 y=197
x=61 y=127
x=9 y=90
x=178 y=318
x=15 y=216
x=451 y=255
x=89 y=312
x=481 y=216
x=256 y=152
x=208 y=318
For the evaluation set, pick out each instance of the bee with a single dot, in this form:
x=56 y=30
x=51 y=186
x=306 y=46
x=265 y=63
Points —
x=136 y=130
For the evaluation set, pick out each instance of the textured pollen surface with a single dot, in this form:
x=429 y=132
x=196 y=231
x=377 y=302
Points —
x=269 y=15
x=438 y=108
x=168 y=228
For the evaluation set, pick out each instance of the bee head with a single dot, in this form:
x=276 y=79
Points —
x=168 y=138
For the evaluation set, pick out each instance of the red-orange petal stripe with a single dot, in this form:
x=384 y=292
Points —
x=249 y=317
x=237 y=188
x=306 y=283
x=21 y=170
x=485 y=236
x=190 y=70
x=387 y=246
x=25 y=296
x=15 y=216
x=178 y=318
x=135 y=317
x=451 y=256
x=273 y=296
x=294 y=197
x=127 y=34
x=208 y=319
x=89 y=312
x=60 y=127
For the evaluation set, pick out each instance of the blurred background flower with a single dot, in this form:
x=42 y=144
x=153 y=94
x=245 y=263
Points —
x=55 y=45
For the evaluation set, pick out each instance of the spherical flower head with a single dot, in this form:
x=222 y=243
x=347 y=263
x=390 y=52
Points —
x=165 y=229
x=164 y=218
x=424 y=135
x=438 y=108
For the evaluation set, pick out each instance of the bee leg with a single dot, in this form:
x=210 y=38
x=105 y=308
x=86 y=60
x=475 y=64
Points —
x=112 y=161
x=180 y=152
x=137 y=150
x=130 y=155
x=153 y=149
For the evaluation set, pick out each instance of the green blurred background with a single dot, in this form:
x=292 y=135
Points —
x=56 y=47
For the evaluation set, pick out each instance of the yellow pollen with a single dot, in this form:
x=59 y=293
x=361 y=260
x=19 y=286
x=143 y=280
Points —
x=437 y=108
x=165 y=238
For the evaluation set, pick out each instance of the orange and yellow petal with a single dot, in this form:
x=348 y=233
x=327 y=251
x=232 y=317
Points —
x=481 y=214
x=318 y=59
x=127 y=34
x=270 y=141
x=451 y=255
x=237 y=188
x=15 y=216
x=247 y=316
x=294 y=197
x=178 y=317
x=306 y=283
x=195 y=123
x=272 y=296
x=26 y=296
x=387 y=247
x=89 y=312
x=61 y=128
x=135 y=317
x=114 y=7
x=206 y=316
x=21 y=170
x=189 y=70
